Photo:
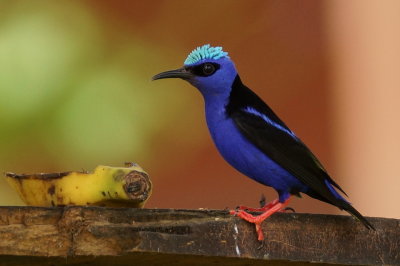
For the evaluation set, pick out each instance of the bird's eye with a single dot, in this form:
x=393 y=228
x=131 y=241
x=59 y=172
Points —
x=208 y=69
x=204 y=70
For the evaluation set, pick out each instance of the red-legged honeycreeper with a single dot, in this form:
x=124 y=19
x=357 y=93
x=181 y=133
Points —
x=252 y=138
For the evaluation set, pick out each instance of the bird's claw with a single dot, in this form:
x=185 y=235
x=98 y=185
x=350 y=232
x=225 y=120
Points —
x=263 y=201
x=239 y=208
x=262 y=244
x=234 y=212
x=288 y=209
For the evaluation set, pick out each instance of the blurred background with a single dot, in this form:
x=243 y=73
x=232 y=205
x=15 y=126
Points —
x=75 y=92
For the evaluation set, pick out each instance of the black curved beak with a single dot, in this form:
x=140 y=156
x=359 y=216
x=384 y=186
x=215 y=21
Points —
x=177 y=73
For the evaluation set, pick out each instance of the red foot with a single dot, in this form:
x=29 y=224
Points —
x=268 y=210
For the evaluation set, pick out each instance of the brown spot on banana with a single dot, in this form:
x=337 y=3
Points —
x=130 y=164
x=51 y=190
x=118 y=175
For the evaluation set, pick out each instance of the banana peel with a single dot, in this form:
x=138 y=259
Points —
x=128 y=186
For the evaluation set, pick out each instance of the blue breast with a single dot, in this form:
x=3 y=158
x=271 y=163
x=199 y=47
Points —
x=246 y=157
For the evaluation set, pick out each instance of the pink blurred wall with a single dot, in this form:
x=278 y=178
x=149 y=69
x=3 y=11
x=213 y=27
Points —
x=364 y=53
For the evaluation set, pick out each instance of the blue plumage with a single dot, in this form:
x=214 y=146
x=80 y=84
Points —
x=239 y=152
x=251 y=137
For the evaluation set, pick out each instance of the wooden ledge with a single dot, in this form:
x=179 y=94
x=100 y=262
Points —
x=121 y=236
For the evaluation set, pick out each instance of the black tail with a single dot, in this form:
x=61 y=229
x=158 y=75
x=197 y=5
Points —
x=350 y=209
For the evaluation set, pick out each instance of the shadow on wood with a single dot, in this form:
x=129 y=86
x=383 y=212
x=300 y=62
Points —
x=121 y=236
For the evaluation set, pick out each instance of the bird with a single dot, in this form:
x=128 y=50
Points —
x=254 y=140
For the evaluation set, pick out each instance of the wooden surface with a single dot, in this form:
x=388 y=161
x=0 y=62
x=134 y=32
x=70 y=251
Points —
x=99 y=236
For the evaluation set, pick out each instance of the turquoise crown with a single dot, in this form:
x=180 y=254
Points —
x=205 y=52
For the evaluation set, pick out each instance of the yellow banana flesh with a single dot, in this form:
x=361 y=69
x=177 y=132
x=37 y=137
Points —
x=107 y=186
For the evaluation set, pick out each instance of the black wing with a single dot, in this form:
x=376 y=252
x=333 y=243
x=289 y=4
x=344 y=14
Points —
x=286 y=150
x=277 y=141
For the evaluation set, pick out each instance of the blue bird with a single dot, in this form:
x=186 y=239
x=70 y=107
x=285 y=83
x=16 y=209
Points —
x=252 y=138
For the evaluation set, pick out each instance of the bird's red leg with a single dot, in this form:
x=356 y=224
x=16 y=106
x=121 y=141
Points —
x=274 y=206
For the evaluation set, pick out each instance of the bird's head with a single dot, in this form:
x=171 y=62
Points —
x=207 y=68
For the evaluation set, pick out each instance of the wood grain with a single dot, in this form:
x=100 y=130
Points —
x=93 y=235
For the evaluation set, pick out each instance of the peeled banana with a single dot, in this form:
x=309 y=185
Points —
x=128 y=186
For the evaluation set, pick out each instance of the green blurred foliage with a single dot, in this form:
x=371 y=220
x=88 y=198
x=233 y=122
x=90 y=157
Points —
x=73 y=97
